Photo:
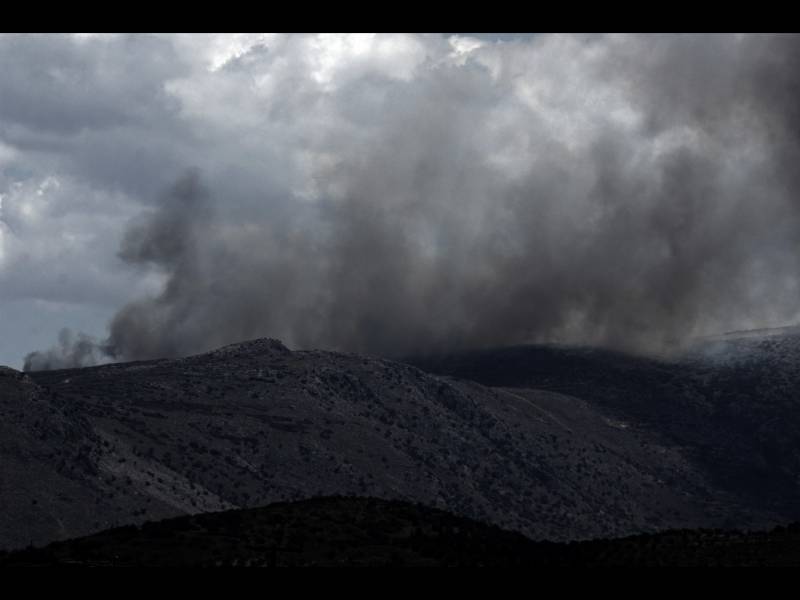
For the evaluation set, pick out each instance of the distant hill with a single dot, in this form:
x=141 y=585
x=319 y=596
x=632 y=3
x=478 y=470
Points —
x=373 y=532
x=555 y=444
x=730 y=405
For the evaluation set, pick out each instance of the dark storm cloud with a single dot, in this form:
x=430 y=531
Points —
x=624 y=191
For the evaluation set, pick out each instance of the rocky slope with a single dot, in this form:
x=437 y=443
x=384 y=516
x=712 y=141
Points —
x=730 y=405
x=254 y=423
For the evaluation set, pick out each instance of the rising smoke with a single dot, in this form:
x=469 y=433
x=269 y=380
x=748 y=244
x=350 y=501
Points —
x=627 y=191
x=73 y=350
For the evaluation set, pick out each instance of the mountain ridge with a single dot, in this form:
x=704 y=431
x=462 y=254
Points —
x=254 y=423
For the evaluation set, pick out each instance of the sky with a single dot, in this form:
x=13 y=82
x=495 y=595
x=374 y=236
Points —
x=161 y=195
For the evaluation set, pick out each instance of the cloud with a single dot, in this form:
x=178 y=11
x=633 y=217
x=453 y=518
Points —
x=58 y=243
x=395 y=194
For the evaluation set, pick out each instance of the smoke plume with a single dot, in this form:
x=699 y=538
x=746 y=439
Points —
x=628 y=191
x=72 y=351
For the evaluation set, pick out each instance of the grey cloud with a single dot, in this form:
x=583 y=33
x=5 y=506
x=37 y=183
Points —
x=54 y=84
x=96 y=109
x=625 y=191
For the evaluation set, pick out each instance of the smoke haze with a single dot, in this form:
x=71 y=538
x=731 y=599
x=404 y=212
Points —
x=442 y=193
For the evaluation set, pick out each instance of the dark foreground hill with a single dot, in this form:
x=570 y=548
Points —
x=372 y=532
x=598 y=455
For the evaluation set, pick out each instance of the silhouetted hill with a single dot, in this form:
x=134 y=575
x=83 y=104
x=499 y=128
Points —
x=596 y=452
x=373 y=532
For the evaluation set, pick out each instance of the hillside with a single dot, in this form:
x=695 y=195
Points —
x=371 y=532
x=730 y=404
x=254 y=423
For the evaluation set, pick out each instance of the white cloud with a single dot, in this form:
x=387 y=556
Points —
x=59 y=240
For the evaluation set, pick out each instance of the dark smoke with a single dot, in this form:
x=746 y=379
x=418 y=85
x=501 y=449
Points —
x=72 y=351
x=683 y=224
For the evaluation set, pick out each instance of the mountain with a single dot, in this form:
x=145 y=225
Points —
x=729 y=405
x=554 y=444
x=340 y=531
x=48 y=464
